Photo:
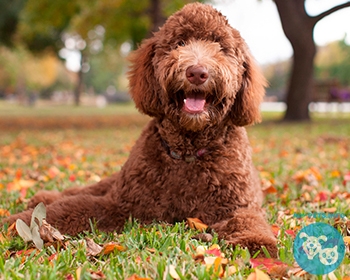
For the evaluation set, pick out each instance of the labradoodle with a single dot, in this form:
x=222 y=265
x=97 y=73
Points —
x=199 y=82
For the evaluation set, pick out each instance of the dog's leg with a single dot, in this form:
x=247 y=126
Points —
x=48 y=197
x=74 y=214
x=248 y=228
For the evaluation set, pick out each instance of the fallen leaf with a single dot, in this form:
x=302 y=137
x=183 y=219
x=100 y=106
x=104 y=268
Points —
x=230 y=271
x=330 y=210
x=195 y=223
x=136 y=277
x=173 y=273
x=267 y=263
x=111 y=247
x=258 y=275
x=200 y=250
x=38 y=242
x=346 y=239
x=204 y=237
x=4 y=213
x=49 y=233
x=23 y=230
x=214 y=250
x=39 y=213
x=92 y=249
x=275 y=230
x=96 y=275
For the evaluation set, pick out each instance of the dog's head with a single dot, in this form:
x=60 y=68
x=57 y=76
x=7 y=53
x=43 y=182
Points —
x=197 y=71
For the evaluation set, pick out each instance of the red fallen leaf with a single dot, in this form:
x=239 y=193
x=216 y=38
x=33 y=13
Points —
x=72 y=178
x=18 y=174
x=215 y=251
x=69 y=277
x=322 y=196
x=290 y=232
x=346 y=178
x=52 y=257
x=267 y=264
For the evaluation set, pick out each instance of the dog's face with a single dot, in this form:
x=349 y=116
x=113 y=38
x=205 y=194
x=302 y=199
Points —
x=197 y=72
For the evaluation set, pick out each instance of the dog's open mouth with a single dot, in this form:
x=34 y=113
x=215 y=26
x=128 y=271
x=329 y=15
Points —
x=194 y=102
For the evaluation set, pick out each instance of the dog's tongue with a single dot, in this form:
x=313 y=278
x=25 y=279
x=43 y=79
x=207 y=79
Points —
x=194 y=103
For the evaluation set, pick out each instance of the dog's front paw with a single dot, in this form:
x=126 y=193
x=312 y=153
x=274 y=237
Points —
x=254 y=243
x=47 y=197
x=24 y=216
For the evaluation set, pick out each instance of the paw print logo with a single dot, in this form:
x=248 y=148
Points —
x=319 y=248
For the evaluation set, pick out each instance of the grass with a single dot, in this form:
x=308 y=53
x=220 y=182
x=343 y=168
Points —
x=303 y=169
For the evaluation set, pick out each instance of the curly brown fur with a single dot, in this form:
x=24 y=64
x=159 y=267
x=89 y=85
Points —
x=198 y=81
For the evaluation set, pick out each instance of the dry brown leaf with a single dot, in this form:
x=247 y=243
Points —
x=97 y=275
x=204 y=237
x=92 y=249
x=296 y=271
x=195 y=223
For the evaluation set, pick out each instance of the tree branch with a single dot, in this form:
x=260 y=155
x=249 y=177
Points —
x=330 y=11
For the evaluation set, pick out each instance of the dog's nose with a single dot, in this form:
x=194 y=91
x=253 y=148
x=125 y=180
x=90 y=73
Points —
x=197 y=74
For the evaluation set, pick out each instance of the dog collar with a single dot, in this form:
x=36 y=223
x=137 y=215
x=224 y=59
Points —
x=186 y=158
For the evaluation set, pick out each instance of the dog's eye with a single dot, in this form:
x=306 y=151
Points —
x=181 y=43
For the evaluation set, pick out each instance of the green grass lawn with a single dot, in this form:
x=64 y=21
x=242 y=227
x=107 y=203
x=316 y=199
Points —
x=304 y=169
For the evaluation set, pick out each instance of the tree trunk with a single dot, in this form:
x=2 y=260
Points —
x=301 y=83
x=157 y=17
x=298 y=27
x=79 y=86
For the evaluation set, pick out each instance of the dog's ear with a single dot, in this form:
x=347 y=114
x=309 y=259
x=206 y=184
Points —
x=142 y=83
x=246 y=107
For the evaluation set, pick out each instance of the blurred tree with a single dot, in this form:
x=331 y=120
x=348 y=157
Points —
x=9 y=17
x=57 y=24
x=298 y=26
x=333 y=62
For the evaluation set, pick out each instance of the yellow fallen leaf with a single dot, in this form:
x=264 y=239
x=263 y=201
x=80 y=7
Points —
x=347 y=240
x=214 y=246
x=4 y=212
x=195 y=223
x=335 y=174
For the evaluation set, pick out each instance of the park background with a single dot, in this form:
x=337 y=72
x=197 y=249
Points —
x=66 y=119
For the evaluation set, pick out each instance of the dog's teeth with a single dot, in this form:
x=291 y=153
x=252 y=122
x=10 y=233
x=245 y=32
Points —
x=185 y=100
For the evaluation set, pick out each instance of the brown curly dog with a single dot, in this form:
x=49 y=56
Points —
x=198 y=81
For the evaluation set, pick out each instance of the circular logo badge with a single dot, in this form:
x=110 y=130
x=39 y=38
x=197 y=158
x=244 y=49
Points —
x=319 y=248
